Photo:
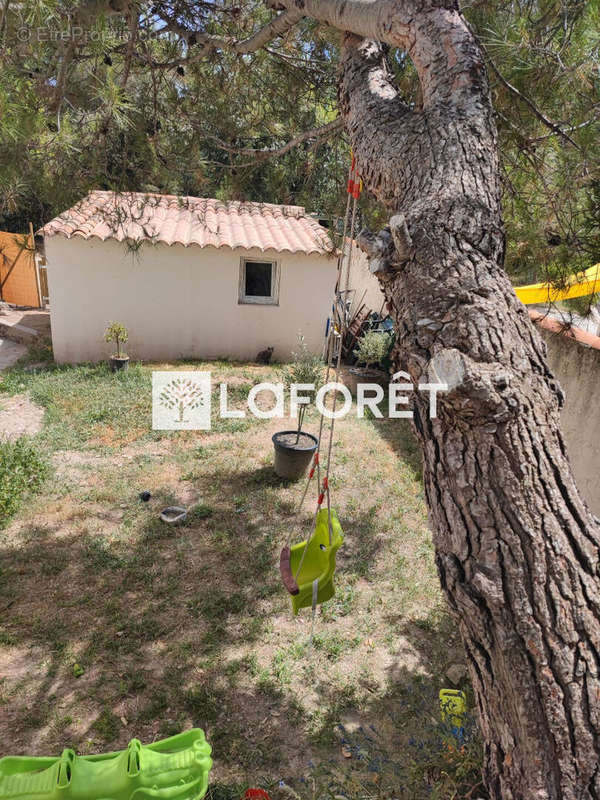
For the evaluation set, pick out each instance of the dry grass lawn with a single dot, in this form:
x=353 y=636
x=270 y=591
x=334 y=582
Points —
x=178 y=626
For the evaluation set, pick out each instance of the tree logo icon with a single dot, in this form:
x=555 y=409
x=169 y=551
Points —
x=181 y=394
x=181 y=400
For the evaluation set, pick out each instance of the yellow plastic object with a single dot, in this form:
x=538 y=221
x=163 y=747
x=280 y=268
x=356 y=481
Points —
x=453 y=707
x=176 y=768
x=319 y=561
x=578 y=286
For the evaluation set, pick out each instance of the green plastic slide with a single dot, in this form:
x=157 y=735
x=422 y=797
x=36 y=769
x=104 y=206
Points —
x=172 y=769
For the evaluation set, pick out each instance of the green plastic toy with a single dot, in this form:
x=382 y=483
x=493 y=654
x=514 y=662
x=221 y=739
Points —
x=172 y=769
x=319 y=562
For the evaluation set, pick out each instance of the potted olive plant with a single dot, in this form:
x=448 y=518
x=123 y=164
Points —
x=371 y=351
x=118 y=334
x=294 y=448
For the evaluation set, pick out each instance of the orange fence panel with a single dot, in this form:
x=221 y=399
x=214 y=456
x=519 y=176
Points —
x=18 y=271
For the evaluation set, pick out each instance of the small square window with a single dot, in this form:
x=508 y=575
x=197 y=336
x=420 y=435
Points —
x=259 y=277
x=258 y=282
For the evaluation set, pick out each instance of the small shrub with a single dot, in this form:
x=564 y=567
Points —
x=305 y=368
x=373 y=348
x=118 y=334
x=22 y=469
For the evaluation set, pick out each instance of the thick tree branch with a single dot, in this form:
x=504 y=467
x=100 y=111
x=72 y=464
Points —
x=434 y=34
x=208 y=43
x=380 y=124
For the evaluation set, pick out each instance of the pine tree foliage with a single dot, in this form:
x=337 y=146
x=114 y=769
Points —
x=135 y=101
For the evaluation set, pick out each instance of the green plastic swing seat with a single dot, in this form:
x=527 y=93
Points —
x=319 y=562
x=173 y=769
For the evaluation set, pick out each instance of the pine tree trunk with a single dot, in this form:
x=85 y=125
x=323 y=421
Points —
x=516 y=547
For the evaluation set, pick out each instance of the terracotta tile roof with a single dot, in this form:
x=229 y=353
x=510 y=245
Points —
x=571 y=332
x=191 y=220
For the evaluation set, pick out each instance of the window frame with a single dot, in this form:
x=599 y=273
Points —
x=260 y=300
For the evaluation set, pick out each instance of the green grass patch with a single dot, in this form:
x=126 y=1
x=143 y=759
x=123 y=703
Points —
x=334 y=644
x=203 y=703
x=88 y=404
x=107 y=725
x=7 y=638
x=198 y=512
x=23 y=468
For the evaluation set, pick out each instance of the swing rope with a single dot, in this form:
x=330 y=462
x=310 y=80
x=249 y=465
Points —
x=338 y=323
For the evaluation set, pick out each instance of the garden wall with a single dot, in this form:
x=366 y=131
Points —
x=574 y=357
x=365 y=284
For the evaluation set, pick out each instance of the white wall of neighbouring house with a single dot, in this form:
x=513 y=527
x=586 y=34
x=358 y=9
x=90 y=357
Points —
x=577 y=367
x=366 y=285
x=180 y=302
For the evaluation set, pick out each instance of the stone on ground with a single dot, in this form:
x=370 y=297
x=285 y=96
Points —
x=10 y=352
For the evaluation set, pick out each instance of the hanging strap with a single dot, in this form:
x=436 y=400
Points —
x=355 y=195
x=315 y=596
x=354 y=188
x=324 y=486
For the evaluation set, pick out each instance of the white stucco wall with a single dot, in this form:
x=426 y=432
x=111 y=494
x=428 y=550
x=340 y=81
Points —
x=180 y=302
x=365 y=283
x=577 y=368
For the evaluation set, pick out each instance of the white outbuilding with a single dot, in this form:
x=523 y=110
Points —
x=188 y=277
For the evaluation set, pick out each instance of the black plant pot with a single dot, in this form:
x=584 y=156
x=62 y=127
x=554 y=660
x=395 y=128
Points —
x=119 y=363
x=292 y=458
x=357 y=375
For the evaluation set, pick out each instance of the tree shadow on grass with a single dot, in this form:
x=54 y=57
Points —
x=151 y=624
x=161 y=622
x=395 y=742
x=165 y=625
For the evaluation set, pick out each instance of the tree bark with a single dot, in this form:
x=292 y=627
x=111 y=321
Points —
x=516 y=547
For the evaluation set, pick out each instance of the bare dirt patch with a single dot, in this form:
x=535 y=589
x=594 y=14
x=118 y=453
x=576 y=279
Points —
x=76 y=466
x=19 y=416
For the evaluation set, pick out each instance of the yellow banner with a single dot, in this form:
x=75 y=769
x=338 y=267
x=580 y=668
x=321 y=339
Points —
x=580 y=285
